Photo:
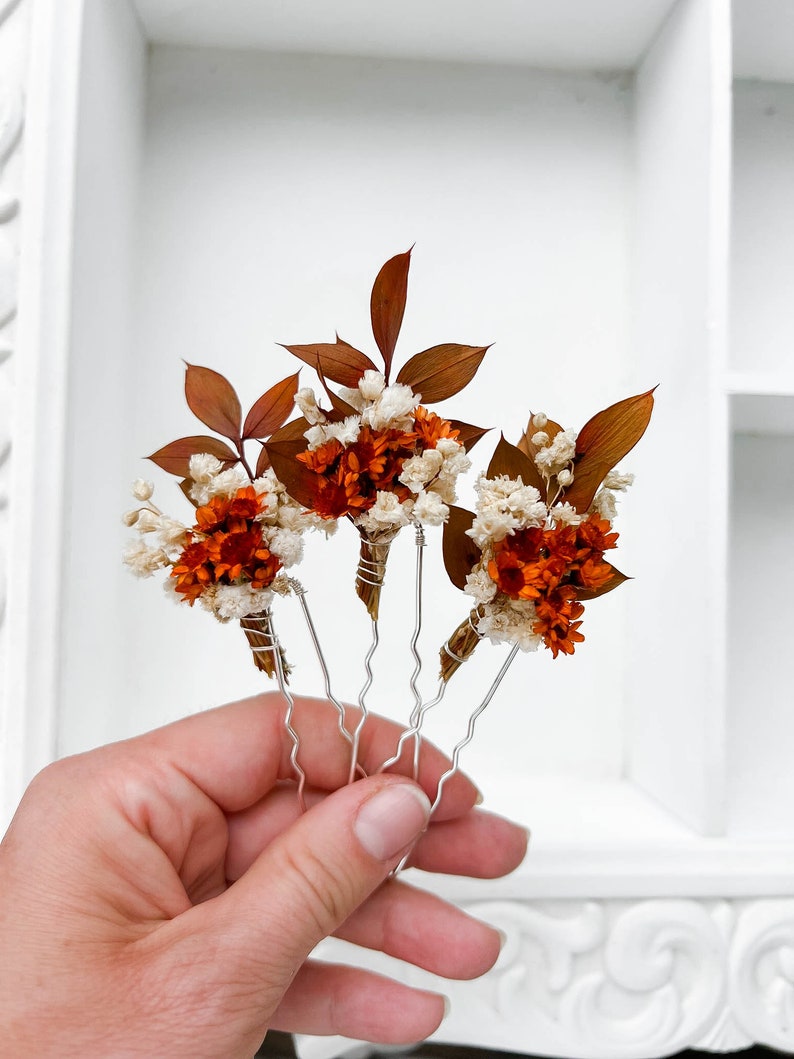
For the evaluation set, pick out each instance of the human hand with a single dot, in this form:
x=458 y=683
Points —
x=160 y=896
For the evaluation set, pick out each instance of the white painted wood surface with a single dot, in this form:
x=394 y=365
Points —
x=204 y=203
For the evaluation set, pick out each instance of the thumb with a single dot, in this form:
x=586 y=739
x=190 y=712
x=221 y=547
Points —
x=311 y=878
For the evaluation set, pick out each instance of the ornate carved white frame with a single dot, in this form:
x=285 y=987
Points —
x=628 y=977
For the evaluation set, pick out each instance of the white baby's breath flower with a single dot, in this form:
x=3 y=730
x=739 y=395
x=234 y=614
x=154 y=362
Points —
x=506 y=623
x=619 y=481
x=142 y=490
x=564 y=477
x=540 y=438
x=539 y=420
x=147 y=521
x=232 y=602
x=306 y=400
x=371 y=384
x=346 y=432
x=280 y=585
x=393 y=409
x=129 y=518
x=316 y=436
x=228 y=482
x=419 y=470
x=558 y=453
x=173 y=534
x=288 y=546
x=492 y=525
x=480 y=585
x=605 y=504
x=204 y=467
x=143 y=560
x=565 y=514
x=387 y=513
x=430 y=510
x=269 y=483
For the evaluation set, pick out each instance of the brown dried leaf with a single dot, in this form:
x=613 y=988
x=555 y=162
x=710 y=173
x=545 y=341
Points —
x=175 y=458
x=341 y=409
x=441 y=371
x=298 y=480
x=460 y=552
x=387 y=305
x=603 y=441
x=186 y=485
x=262 y=462
x=272 y=409
x=340 y=362
x=615 y=581
x=468 y=434
x=291 y=431
x=212 y=398
x=510 y=460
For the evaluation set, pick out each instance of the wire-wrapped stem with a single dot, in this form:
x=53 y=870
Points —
x=260 y=626
x=300 y=591
x=257 y=631
x=460 y=646
x=371 y=572
x=362 y=701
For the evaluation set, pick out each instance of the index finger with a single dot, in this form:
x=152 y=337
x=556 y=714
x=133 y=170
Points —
x=237 y=753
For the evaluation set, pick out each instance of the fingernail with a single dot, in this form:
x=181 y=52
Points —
x=479 y=799
x=502 y=938
x=391 y=819
x=447 y=1006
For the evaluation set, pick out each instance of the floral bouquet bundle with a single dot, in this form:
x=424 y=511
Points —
x=372 y=453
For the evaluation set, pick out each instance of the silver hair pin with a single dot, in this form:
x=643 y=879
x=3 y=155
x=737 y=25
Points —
x=461 y=746
x=263 y=639
x=417 y=709
x=361 y=700
x=300 y=591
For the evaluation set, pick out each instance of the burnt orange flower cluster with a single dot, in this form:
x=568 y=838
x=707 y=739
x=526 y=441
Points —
x=226 y=546
x=351 y=476
x=552 y=567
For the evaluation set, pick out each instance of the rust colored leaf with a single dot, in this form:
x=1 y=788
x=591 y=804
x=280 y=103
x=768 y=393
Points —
x=291 y=431
x=186 y=485
x=615 y=581
x=510 y=460
x=262 y=462
x=340 y=361
x=299 y=481
x=272 y=409
x=460 y=552
x=387 y=305
x=441 y=371
x=468 y=434
x=603 y=441
x=212 y=398
x=175 y=458
x=341 y=409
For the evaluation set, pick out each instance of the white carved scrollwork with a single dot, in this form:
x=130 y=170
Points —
x=762 y=972
x=609 y=978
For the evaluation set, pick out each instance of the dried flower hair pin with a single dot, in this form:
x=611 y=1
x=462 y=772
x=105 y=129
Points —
x=533 y=551
x=378 y=457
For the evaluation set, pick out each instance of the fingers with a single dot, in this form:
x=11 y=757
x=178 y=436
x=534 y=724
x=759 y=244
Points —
x=311 y=878
x=330 y=999
x=424 y=930
x=478 y=844
x=237 y=753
